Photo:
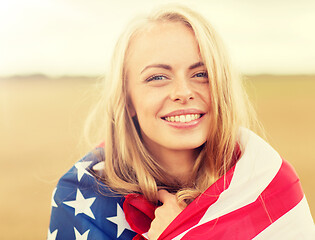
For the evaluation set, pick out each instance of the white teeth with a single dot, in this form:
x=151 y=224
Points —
x=183 y=118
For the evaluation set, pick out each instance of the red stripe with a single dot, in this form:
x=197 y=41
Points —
x=282 y=194
x=139 y=212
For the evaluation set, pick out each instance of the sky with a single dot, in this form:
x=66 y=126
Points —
x=76 y=37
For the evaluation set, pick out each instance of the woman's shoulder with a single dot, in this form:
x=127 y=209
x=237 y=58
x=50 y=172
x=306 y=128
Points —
x=83 y=204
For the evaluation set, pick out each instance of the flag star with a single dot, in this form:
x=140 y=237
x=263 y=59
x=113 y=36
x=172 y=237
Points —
x=53 y=235
x=78 y=236
x=82 y=205
x=53 y=203
x=120 y=221
x=81 y=169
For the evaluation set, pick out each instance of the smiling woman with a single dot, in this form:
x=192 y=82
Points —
x=178 y=157
x=165 y=96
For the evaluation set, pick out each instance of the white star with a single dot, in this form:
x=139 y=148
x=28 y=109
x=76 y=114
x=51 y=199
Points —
x=82 y=205
x=52 y=236
x=78 y=236
x=81 y=169
x=120 y=221
x=53 y=203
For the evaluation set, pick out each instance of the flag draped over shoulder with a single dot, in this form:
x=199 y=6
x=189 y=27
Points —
x=259 y=198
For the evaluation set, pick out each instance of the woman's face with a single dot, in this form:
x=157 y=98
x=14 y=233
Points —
x=168 y=88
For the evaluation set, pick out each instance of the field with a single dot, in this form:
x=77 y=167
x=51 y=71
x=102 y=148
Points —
x=40 y=128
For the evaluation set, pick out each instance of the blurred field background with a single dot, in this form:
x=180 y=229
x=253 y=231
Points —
x=40 y=127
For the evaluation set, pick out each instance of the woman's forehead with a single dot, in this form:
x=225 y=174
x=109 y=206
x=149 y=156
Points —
x=166 y=41
x=158 y=32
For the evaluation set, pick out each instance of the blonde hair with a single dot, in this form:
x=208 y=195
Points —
x=129 y=167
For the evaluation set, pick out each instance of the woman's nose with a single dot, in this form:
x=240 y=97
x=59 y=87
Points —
x=181 y=91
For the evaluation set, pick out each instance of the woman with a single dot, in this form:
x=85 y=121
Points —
x=178 y=159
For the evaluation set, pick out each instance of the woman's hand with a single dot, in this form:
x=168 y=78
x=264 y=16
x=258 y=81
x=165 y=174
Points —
x=164 y=214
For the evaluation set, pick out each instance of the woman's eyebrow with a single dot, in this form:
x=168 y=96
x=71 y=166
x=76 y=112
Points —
x=195 y=65
x=164 y=66
x=168 y=67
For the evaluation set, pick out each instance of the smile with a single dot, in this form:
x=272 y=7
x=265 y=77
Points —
x=183 y=118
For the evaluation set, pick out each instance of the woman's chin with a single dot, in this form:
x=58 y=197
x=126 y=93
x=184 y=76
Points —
x=186 y=145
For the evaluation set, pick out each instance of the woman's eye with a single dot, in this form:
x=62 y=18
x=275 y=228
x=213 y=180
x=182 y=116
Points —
x=201 y=75
x=156 y=78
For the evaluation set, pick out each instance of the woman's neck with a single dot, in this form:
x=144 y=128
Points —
x=177 y=163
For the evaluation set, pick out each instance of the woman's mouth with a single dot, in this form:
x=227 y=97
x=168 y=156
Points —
x=184 y=118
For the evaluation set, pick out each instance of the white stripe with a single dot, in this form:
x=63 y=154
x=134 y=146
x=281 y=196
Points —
x=254 y=171
x=295 y=224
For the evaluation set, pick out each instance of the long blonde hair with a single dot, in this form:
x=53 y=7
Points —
x=129 y=167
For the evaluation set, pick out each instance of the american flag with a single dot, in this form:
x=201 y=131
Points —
x=259 y=198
